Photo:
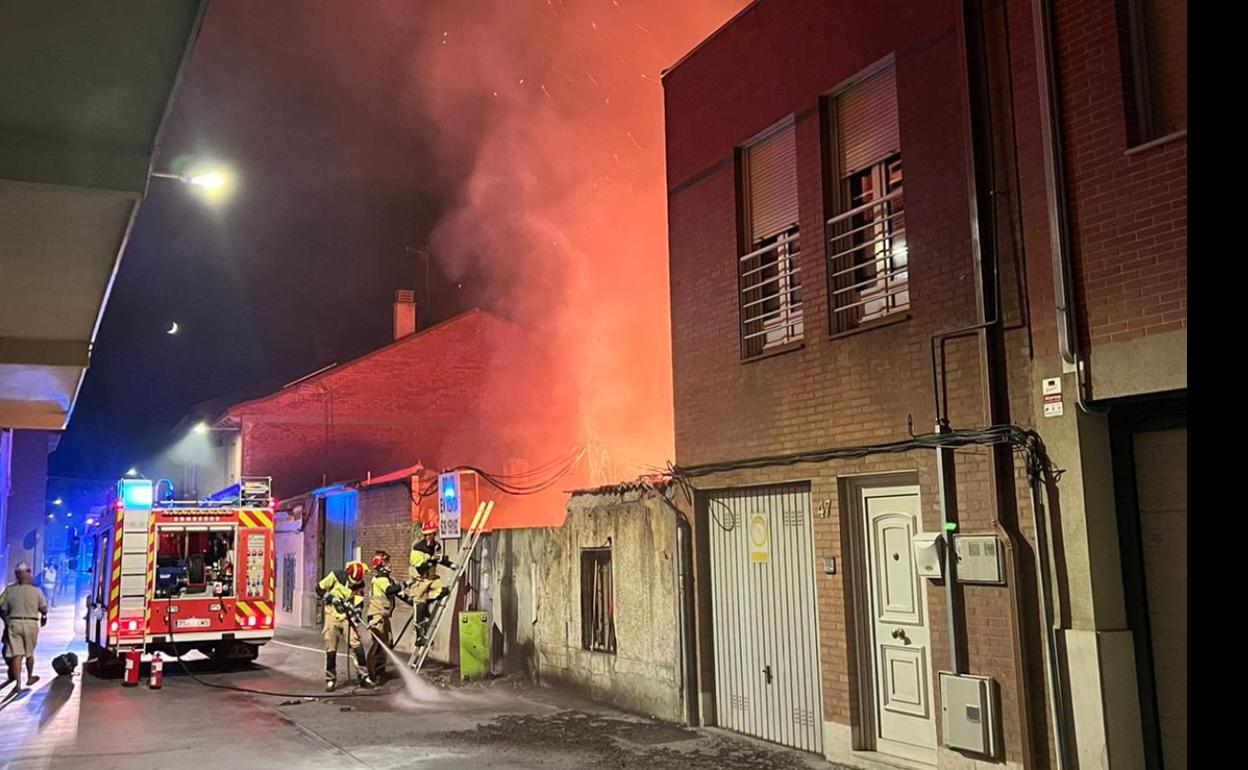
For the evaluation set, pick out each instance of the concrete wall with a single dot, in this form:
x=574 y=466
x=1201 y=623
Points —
x=538 y=603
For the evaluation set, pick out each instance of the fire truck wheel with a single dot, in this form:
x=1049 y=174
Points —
x=103 y=662
x=235 y=653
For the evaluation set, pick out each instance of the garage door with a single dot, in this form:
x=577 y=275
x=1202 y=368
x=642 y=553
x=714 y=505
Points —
x=763 y=612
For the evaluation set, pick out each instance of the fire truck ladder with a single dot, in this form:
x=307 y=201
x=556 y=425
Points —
x=420 y=651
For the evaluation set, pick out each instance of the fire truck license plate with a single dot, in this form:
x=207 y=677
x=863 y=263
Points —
x=193 y=623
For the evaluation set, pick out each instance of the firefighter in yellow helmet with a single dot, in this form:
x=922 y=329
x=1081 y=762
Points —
x=426 y=588
x=380 y=609
x=342 y=590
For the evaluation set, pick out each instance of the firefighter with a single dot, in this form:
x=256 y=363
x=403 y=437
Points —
x=380 y=609
x=425 y=588
x=342 y=590
x=428 y=548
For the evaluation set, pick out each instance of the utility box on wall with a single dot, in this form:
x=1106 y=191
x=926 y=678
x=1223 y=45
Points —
x=474 y=646
x=968 y=707
x=979 y=559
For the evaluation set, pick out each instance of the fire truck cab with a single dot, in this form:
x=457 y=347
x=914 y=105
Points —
x=198 y=574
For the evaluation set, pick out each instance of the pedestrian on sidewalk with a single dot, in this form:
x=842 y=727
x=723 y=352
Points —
x=25 y=611
x=49 y=582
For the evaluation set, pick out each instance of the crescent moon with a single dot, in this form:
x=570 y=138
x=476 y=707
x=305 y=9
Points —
x=173 y=329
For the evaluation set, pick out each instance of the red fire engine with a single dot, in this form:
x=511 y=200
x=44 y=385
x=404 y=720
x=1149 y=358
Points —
x=196 y=573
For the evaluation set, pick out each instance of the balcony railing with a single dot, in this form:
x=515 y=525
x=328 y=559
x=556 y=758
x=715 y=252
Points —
x=868 y=262
x=771 y=303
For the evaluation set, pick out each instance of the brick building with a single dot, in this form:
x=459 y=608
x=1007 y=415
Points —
x=889 y=216
x=473 y=390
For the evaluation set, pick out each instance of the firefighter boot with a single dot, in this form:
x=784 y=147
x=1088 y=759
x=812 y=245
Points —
x=366 y=678
x=331 y=671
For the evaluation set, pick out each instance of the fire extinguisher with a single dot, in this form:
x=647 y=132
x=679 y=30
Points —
x=133 y=659
x=157 y=677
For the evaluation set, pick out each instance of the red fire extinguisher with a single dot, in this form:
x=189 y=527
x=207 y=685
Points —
x=133 y=659
x=157 y=677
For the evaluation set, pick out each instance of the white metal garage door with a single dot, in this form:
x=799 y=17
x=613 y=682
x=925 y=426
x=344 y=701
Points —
x=763 y=607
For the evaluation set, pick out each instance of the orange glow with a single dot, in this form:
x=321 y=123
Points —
x=552 y=113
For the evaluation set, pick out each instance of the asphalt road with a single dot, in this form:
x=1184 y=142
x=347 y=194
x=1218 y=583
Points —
x=87 y=721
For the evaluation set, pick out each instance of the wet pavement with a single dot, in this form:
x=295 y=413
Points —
x=206 y=718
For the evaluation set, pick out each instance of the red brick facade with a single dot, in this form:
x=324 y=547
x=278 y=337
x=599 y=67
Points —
x=781 y=58
x=470 y=391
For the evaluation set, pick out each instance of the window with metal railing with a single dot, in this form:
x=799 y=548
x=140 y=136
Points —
x=597 y=601
x=868 y=261
x=769 y=272
x=771 y=300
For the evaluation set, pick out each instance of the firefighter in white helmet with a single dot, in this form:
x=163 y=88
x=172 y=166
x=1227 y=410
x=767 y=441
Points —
x=342 y=590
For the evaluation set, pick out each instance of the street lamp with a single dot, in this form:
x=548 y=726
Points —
x=214 y=183
x=57 y=501
x=201 y=428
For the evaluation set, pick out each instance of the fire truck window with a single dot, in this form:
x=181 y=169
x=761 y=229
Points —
x=190 y=564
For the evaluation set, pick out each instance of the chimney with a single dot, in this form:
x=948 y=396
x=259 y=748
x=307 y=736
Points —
x=404 y=313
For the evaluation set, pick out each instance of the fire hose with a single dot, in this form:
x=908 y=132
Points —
x=353 y=693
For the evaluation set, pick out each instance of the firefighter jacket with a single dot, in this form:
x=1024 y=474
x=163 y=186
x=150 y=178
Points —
x=381 y=598
x=425 y=551
x=333 y=589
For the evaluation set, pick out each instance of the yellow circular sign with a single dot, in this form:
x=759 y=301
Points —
x=758 y=530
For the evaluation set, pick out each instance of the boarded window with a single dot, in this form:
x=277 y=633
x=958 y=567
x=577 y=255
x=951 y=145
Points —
x=597 y=601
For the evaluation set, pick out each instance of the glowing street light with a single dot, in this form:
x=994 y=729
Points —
x=133 y=472
x=214 y=183
x=201 y=427
x=207 y=181
x=57 y=501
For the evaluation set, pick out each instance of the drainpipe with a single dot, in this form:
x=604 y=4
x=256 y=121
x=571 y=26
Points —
x=985 y=244
x=1065 y=303
x=948 y=504
x=1056 y=694
x=685 y=604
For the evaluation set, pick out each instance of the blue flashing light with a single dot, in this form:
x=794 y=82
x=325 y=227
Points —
x=136 y=493
x=449 y=482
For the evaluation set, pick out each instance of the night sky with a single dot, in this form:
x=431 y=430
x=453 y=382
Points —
x=520 y=141
x=336 y=188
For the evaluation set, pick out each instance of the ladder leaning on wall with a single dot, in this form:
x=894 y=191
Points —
x=424 y=641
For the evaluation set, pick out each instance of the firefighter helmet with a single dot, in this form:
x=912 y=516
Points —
x=429 y=529
x=355 y=573
x=381 y=560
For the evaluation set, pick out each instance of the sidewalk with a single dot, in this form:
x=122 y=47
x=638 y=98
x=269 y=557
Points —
x=45 y=716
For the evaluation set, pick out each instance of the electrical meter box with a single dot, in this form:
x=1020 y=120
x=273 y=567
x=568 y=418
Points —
x=968 y=706
x=929 y=554
x=979 y=559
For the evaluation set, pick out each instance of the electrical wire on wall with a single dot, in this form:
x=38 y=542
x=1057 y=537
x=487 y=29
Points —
x=1024 y=441
x=529 y=482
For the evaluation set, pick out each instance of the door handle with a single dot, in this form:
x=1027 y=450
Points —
x=900 y=633
x=767 y=673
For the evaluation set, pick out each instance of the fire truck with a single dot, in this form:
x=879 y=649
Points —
x=195 y=573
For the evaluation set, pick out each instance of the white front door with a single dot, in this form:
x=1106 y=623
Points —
x=905 y=717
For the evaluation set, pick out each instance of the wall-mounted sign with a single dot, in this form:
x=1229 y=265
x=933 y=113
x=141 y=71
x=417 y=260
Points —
x=760 y=539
